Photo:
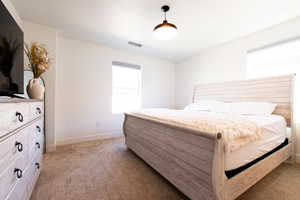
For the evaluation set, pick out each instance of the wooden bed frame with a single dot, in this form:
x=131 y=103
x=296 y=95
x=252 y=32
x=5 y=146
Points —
x=194 y=161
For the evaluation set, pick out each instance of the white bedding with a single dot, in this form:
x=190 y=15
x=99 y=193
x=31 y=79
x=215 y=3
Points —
x=237 y=131
x=274 y=133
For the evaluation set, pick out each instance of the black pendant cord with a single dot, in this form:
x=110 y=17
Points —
x=165 y=9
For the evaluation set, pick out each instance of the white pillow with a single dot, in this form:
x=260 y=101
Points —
x=252 y=108
x=222 y=108
x=203 y=106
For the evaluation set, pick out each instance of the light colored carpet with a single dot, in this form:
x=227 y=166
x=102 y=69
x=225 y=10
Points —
x=107 y=170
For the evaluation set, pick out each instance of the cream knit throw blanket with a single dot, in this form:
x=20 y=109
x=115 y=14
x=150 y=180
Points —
x=236 y=131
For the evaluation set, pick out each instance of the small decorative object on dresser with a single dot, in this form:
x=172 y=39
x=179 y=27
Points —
x=39 y=62
x=21 y=147
x=35 y=89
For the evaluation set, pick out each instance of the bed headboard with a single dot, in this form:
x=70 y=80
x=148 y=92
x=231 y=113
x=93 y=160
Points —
x=277 y=90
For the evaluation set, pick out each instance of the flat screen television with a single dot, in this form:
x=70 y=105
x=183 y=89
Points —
x=11 y=54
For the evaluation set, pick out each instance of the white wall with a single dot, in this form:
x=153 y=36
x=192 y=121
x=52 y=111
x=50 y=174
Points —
x=227 y=61
x=79 y=96
x=79 y=86
x=48 y=36
x=12 y=11
x=84 y=92
x=222 y=63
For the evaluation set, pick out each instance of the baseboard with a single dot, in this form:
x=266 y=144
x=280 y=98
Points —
x=99 y=136
x=50 y=148
x=298 y=158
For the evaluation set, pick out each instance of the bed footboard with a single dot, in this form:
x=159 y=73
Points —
x=190 y=160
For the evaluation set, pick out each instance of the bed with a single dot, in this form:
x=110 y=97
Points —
x=197 y=162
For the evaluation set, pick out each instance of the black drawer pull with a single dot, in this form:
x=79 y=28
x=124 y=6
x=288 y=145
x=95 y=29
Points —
x=39 y=111
x=37 y=165
x=19 y=116
x=38 y=145
x=19 y=146
x=38 y=129
x=18 y=172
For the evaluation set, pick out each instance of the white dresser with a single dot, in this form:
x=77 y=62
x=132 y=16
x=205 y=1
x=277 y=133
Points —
x=21 y=147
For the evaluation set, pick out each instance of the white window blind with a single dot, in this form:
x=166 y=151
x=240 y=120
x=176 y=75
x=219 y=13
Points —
x=279 y=59
x=126 y=90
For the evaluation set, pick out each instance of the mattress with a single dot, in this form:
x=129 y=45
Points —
x=274 y=134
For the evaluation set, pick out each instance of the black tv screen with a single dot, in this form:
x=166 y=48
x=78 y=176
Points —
x=11 y=54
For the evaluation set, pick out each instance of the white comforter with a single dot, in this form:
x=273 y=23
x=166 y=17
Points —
x=237 y=131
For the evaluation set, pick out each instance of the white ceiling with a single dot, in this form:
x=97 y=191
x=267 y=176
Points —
x=201 y=23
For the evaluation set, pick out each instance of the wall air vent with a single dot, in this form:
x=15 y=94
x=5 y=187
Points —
x=135 y=44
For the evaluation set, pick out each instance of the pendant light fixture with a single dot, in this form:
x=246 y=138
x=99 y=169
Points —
x=166 y=30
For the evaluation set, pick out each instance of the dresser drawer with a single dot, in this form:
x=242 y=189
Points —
x=36 y=110
x=21 y=148
x=13 y=116
x=36 y=150
x=24 y=186
x=36 y=167
x=36 y=139
x=36 y=129
x=13 y=147
x=18 y=192
x=11 y=176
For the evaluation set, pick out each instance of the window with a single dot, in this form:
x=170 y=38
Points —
x=279 y=59
x=126 y=88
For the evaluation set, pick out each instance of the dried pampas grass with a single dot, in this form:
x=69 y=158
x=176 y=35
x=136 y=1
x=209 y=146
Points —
x=39 y=62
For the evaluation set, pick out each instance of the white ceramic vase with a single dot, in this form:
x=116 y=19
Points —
x=35 y=89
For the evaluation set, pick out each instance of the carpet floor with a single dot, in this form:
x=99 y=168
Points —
x=107 y=170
